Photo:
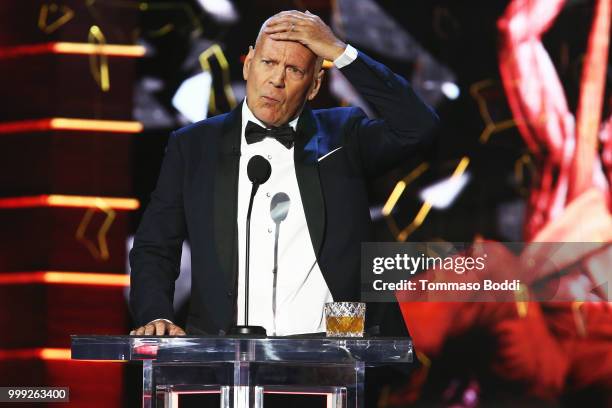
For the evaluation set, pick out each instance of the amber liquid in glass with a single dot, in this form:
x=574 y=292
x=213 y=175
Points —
x=345 y=326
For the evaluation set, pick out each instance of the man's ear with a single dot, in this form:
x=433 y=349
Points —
x=318 y=80
x=247 y=63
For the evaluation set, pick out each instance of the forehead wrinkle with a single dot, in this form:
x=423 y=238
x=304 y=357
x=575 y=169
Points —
x=286 y=53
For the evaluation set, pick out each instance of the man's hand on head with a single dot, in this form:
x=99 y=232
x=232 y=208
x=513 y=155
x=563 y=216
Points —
x=158 y=327
x=307 y=29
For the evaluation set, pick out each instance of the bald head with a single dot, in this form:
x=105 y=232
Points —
x=261 y=31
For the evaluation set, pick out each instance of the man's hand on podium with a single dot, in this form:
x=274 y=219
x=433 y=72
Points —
x=158 y=327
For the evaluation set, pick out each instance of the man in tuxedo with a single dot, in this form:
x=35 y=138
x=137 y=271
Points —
x=321 y=160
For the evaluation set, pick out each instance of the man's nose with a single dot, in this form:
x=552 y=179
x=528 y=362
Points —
x=278 y=77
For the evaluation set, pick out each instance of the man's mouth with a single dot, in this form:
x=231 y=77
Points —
x=269 y=99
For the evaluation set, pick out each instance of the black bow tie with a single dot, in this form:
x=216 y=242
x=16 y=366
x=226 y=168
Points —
x=255 y=133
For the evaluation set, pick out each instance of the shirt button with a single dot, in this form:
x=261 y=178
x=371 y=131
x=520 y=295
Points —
x=229 y=294
x=270 y=230
x=269 y=157
x=268 y=194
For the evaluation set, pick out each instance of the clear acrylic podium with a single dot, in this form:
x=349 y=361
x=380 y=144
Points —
x=241 y=370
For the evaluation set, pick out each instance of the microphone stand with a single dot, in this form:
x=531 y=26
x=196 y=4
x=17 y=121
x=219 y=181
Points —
x=246 y=329
x=258 y=170
x=248 y=254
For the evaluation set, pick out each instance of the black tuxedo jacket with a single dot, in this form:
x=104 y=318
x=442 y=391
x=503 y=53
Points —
x=336 y=151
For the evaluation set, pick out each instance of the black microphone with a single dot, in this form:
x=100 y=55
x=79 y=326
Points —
x=258 y=170
x=279 y=208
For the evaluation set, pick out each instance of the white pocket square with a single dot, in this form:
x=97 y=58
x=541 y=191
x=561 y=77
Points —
x=327 y=154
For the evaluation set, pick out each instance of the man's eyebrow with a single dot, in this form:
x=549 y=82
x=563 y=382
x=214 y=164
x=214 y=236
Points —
x=299 y=68
x=265 y=57
x=276 y=61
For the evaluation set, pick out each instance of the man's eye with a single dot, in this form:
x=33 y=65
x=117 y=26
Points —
x=266 y=62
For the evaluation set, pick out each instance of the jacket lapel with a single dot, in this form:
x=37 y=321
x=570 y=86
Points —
x=226 y=195
x=307 y=173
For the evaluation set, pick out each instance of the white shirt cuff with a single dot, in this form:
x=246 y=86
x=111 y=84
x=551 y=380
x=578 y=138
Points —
x=349 y=55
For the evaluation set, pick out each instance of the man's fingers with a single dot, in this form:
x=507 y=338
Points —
x=285 y=36
x=284 y=26
x=288 y=32
x=289 y=14
x=291 y=19
x=176 y=331
x=149 y=329
x=160 y=328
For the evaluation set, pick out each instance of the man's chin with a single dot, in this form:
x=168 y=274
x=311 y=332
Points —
x=267 y=119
